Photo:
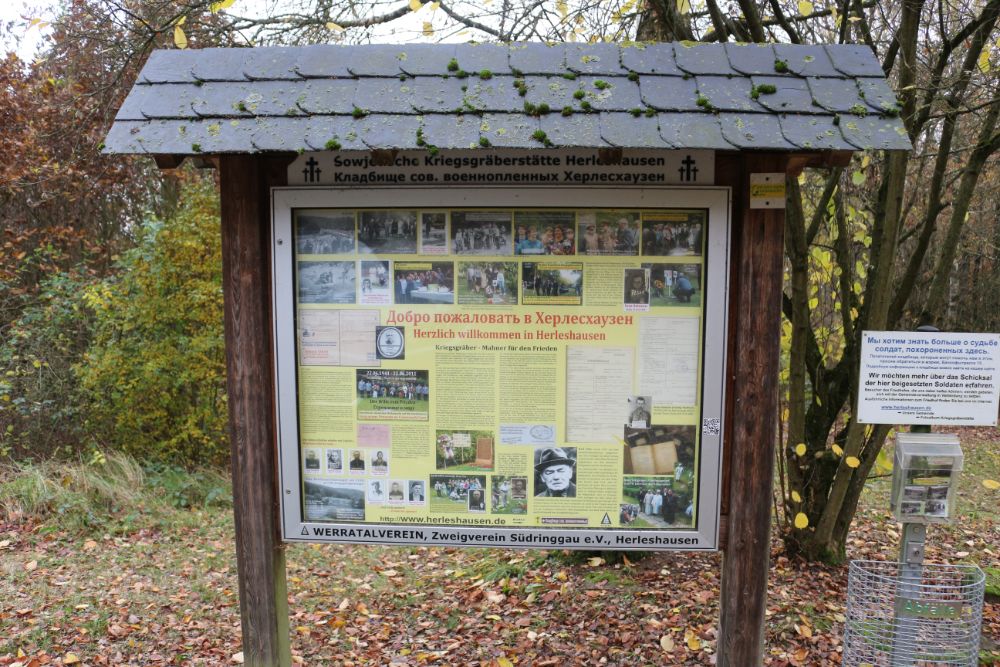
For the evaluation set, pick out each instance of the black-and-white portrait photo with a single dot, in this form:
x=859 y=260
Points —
x=636 y=289
x=334 y=461
x=555 y=472
x=387 y=232
x=417 y=491
x=639 y=412
x=327 y=282
x=481 y=233
x=320 y=232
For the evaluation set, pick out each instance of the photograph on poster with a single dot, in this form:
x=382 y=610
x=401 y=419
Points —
x=636 y=289
x=415 y=491
x=487 y=283
x=397 y=492
x=434 y=233
x=544 y=233
x=375 y=283
x=424 y=282
x=464 y=450
x=659 y=502
x=376 y=491
x=911 y=508
x=915 y=492
x=481 y=233
x=676 y=233
x=357 y=462
x=392 y=394
x=637 y=414
x=387 y=232
x=311 y=462
x=379 y=462
x=319 y=232
x=674 y=284
x=477 y=501
x=326 y=282
x=334 y=461
x=509 y=494
x=608 y=233
x=554 y=284
x=334 y=500
x=450 y=493
x=555 y=472
x=659 y=450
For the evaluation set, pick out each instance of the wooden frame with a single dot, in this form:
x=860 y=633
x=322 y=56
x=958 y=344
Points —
x=756 y=266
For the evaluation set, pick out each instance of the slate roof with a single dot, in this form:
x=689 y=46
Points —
x=705 y=96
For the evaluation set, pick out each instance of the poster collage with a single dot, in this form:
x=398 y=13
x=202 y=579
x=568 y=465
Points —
x=546 y=250
x=353 y=266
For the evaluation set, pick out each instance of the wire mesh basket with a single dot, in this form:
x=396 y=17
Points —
x=901 y=615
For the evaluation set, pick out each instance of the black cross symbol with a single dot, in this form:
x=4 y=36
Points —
x=688 y=172
x=312 y=171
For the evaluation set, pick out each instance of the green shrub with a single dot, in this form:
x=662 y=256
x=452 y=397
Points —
x=154 y=374
x=42 y=411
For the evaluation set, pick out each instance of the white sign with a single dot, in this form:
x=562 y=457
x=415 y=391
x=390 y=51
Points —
x=767 y=190
x=479 y=167
x=929 y=378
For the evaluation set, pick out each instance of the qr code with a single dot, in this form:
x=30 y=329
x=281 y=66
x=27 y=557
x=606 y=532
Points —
x=711 y=426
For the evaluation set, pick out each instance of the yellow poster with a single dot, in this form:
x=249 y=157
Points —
x=500 y=367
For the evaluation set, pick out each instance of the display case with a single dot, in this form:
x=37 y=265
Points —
x=926 y=468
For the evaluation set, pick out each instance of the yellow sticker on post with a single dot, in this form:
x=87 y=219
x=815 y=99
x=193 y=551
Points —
x=767 y=190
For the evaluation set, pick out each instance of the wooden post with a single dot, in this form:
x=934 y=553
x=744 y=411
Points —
x=755 y=326
x=260 y=557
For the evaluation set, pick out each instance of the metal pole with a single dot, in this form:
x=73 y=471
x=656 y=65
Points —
x=911 y=570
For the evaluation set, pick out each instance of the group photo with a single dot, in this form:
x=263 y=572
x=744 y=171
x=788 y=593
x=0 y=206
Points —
x=424 y=282
x=544 y=233
x=457 y=494
x=481 y=233
x=656 y=502
x=319 y=232
x=673 y=235
x=387 y=232
x=487 y=283
x=392 y=394
x=608 y=233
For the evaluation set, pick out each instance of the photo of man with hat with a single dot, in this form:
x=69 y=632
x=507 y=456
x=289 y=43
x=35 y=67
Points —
x=555 y=472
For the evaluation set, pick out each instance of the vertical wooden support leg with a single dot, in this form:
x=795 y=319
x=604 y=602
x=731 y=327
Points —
x=260 y=557
x=754 y=421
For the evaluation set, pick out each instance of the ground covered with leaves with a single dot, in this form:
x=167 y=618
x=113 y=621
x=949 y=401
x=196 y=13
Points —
x=157 y=586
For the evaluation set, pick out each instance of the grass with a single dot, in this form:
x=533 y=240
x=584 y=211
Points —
x=112 y=492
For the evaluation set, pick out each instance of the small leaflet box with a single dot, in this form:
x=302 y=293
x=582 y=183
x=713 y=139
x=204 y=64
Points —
x=925 y=477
